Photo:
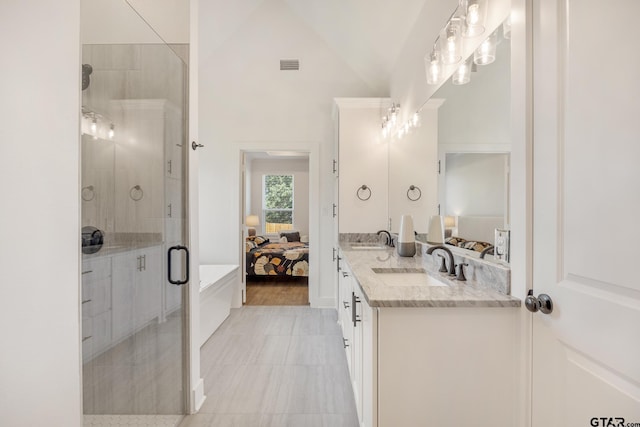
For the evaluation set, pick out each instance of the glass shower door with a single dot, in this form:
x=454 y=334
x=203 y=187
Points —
x=133 y=212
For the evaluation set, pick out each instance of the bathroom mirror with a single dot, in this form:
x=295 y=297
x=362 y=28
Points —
x=473 y=146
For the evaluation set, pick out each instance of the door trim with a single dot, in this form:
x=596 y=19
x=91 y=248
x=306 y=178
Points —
x=315 y=255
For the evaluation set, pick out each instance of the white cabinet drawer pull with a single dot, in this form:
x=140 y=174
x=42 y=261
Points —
x=86 y=338
x=87 y=272
x=86 y=301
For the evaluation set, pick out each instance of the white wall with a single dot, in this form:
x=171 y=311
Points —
x=299 y=168
x=40 y=227
x=475 y=184
x=480 y=111
x=244 y=97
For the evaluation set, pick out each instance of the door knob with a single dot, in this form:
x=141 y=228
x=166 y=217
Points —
x=542 y=303
x=195 y=145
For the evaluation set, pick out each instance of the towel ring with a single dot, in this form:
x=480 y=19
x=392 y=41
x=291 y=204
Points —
x=414 y=188
x=136 y=193
x=363 y=188
x=87 y=193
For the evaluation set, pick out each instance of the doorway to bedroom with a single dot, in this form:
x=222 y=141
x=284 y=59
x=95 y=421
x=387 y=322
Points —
x=276 y=227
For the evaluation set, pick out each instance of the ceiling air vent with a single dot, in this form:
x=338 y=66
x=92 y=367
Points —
x=289 y=65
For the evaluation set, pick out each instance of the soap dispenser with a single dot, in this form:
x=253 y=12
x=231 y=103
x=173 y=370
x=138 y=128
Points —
x=406 y=238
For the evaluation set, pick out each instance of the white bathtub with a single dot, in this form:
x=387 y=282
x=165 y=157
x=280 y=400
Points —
x=217 y=286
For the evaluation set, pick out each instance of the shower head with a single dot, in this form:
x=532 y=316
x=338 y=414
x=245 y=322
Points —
x=86 y=72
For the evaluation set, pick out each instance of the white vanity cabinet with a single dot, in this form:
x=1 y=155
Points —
x=430 y=365
x=96 y=306
x=344 y=311
x=362 y=160
x=136 y=290
x=357 y=321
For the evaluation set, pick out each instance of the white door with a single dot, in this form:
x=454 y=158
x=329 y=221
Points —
x=586 y=353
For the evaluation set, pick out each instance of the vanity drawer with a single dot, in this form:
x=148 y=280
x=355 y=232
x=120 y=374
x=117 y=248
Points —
x=96 y=269
x=96 y=334
x=96 y=296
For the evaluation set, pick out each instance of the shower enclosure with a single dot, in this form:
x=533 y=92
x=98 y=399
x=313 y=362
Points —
x=135 y=256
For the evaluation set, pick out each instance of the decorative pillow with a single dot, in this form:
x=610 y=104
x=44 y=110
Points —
x=283 y=240
x=260 y=240
x=467 y=244
x=248 y=245
x=292 y=236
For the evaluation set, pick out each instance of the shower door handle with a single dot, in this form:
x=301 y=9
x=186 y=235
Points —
x=169 y=274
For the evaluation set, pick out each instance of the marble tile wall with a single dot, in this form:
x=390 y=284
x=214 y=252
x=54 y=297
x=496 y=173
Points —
x=493 y=275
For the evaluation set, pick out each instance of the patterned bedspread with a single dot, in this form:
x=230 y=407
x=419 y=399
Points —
x=279 y=259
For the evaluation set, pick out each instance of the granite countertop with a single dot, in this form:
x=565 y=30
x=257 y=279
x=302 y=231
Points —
x=114 y=249
x=378 y=294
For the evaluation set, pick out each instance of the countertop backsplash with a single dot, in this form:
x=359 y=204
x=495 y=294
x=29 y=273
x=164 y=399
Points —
x=493 y=275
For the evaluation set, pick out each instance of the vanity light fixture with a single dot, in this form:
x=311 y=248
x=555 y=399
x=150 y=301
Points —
x=451 y=42
x=393 y=112
x=389 y=121
x=385 y=127
x=486 y=52
x=415 y=119
x=474 y=17
x=506 y=28
x=463 y=73
x=112 y=131
x=434 y=67
x=94 y=126
x=468 y=20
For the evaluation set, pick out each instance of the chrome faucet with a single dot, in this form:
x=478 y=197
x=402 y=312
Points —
x=387 y=237
x=488 y=249
x=452 y=266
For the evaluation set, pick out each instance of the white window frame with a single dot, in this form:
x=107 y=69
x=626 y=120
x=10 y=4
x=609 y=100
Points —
x=293 y=197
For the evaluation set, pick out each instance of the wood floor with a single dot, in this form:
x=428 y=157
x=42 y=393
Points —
x=277 y=292
x=276 y=367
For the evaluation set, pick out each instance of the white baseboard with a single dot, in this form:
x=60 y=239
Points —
x=197 y=397
x=324 y=302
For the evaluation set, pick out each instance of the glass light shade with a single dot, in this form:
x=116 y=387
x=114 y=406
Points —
x=463 y=73
x=474 y=19
x=415 y=119
x=451 y=43
x=433 y=66
x=506 y=28
x=94 y=126
x=486 y=52
x=112 y=131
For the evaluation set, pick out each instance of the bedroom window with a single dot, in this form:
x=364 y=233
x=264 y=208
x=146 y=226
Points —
x=277 y=202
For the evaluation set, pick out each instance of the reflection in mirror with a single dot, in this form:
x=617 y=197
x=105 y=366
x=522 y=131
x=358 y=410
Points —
x=475 y=197
x=473 y=149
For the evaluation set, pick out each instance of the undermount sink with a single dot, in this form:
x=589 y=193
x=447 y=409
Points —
x=406 y=277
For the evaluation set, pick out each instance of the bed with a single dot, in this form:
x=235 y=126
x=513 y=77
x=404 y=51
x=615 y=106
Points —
x=475 y=233
x=282 y=258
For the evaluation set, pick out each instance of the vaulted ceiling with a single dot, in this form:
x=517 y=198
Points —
x=367 y=34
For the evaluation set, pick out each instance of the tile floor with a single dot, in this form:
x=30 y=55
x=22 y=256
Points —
x=139 y=376
x=276 y=367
